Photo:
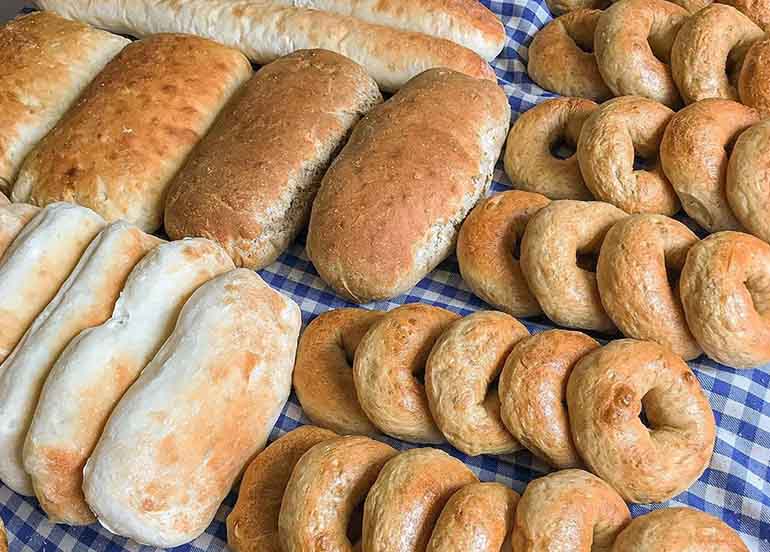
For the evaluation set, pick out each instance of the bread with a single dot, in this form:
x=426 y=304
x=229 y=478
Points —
x=390 y=206
x=37 y=263
x=251 y=181
x=265 y=31
x=3 y=538
x=117 y=148
x=97 y=367
x=198 y=413
x=13 y=217
x=47 y=62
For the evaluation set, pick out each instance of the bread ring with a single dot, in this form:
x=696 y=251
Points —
x=323 y=372
x=611 y=137
x=463 y=364
x=561 y=57
x=388 y=360
x=252 y=526
x=694 y=157
x=748 y=180
x=407 y=498
x=606 y=393
x=633 y=276
x=754 y=78
x=725 y=290
x=709 y=50
x=678 y=530
x=533 y=388
x=529 y=161
x=478 y=518
x=327 y=484
x=554 y=238
x=633 y=48
x=568 y=510
x=486 y=248
x=559 y=7
x=756 y=10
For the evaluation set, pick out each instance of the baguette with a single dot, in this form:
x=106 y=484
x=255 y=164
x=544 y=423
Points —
x=119 y=146
x=265 y=31
x=84 y=300
x=13 y=217
x=97 y=367
x=199 y=412
x=47 y=61
x=251 y=181
x=390 y=206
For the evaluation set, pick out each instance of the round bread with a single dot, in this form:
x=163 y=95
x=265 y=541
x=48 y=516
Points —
x=756 y=10
x=754 y=78
x=326 y=486
x=568 y=510
x=678 y=530
x=529 y=159
x=694 y=157
x=404 y=503
x=561 y=57
x=612 y=136
x=554 y=238
x=608 y=390
x=748 y=180
x=559 y=7
x=725 y=290
x=486 y=249
x=252 y=526
x=323 y=372
x=388 y=362
x=708 y=51
x=637 y=256
x=533 y=389
x=459 y=378
x=478 y=518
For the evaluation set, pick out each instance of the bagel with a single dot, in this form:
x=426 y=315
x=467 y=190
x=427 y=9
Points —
x=478 y=518
x=533 y=387
x=389 y=360
x=633 y=48
x=725 y=290
x=326 y=486
x=462 y=367
x=606 y=393
x=323 y=372
x=404 y=503
x=568 y=510
x=529 y=160
x=561 y=57
x=754 y=78
x=554 y=238
x=693 y=153
x=486 y=248
x=633 y=270
x=678 y=530
x=13 y=218
x=3 y=538
x=748 y=180
x=692 y=6
x=611 y=137
x=252 y=526
x=756 y=10
x=559 y=7
x=709 y=50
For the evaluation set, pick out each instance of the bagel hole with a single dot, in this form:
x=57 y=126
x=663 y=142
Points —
x=356 y=524
x=759 y=290
x=562 y=148
x=645 y=421
x=587 y=260
x=642 y=163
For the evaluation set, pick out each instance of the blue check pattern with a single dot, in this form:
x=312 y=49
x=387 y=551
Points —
x=735 y=487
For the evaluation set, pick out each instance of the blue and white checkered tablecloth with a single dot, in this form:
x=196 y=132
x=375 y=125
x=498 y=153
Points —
x=735 y=487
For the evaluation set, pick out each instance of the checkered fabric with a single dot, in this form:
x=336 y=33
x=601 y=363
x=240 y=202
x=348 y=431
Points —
x=734 y=488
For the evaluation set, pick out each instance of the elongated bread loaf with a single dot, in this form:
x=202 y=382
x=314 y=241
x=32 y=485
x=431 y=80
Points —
x=85 y=299
x=47 y=61
x=13 y=217
x=117 y=148
x=199 y=412
x=97 y=367
x=36 y=264
x=391 y=204
x=250 y=183
x=265 y=31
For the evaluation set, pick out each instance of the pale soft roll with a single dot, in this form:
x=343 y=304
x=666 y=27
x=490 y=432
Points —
x=13 y=217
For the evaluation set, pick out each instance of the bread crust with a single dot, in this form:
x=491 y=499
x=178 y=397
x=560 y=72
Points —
x=13 y=217
x=756 y=10
x=754 y=78
x=747 y=186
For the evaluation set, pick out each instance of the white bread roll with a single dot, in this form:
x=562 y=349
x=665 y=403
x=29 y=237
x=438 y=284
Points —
x=36 y=264
x=199 y=412
x=85 y=299
x=13 y=217
x=97 y=367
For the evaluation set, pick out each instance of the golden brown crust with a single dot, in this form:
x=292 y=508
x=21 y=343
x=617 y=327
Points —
x=754 y=78
x=486 y=251
x=3 y=538
x=606 y=393
x=559 y=7
x=756 y=10
x=748 y=185
x=323 y=372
